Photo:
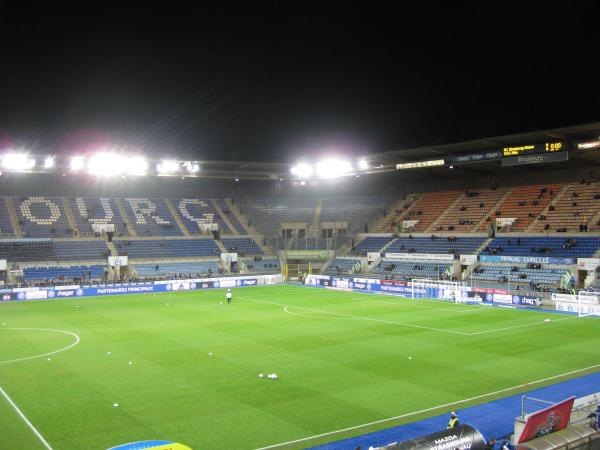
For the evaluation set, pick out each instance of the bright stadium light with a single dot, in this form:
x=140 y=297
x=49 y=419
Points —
x=49 y=162
x=105 y=164
x=108 y=164
x=363 y=164
x=167 y=166
x=302 y=170
x=17 y=162
x=77 y=163
x=191 y=167
x=333 y=168
x=137 y=166
x=420 y=164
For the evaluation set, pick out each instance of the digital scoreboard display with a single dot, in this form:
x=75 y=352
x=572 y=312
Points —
x=532 y=149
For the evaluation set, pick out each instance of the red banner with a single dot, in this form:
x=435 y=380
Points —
x=490 y=290
x=548 y=420
x=394 y=283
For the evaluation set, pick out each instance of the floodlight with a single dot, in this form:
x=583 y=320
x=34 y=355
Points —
x=302 y=170
x=191 y=167
x=333 y=168
x=49 y=162
x=363 y=164
x=420 y=164
x=18 y=161
x=137 y=166
x=105 y=164
x=77 y=163
x=167 y=166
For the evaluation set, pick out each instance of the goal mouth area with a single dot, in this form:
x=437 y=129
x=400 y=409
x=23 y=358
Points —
x=455 y=291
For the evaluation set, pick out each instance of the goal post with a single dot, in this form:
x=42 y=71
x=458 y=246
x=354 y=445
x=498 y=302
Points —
x=588 y=304
x=439 y=289
x=530 y=405
x=584 y=303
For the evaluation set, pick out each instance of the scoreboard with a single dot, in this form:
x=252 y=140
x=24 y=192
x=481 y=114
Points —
x=532 y=149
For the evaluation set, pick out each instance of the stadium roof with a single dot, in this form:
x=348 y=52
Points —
x=571 y=133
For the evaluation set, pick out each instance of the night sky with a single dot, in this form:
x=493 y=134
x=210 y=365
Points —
x=275 y=82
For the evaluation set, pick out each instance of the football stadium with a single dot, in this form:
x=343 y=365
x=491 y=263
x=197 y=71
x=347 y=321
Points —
x=300 y=227
x=359 y=313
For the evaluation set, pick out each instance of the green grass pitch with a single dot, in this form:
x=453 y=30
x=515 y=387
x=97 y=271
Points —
x=343 y=359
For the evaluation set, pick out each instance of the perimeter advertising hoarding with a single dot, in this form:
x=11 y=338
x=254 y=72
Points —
x=526 y=259
x=463 y=437
x=585 y=263
x=306 y=254
x=420 y=256
x=548 y=420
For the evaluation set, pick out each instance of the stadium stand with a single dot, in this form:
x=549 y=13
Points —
x=196 y=211
x=518 y=274
x=412 y=269
x=575 y=205
x=169 y=248
x=88 y=211
x=262 y=265
x=63 y=273
x=455 y=244
x=429 y=207
x=245 y=245
x=342 y=265
x=6 y=228
x=42 y=217
x=559 y=247
x=239 y=228
x=191 y=268
x=269 y=213
x=19 y=250
x=524 y=203
x=359 y=212
x=80 y=250
x=151 y=217
x=372 y=244
x=472 y=207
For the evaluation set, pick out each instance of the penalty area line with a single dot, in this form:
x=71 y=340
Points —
x=25 y=419
x=433 y=408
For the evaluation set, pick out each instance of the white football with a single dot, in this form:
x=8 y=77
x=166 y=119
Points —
x=115 y=405
x=261 y=375
x=547 y=320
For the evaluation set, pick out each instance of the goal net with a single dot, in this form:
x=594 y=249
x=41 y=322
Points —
x=441 y=289
x=530 y=405
x=588 y=304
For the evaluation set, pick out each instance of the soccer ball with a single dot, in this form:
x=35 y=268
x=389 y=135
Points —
x=116 y=405
x=261 y=375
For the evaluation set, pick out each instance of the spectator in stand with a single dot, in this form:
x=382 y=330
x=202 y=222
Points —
x=490 y=444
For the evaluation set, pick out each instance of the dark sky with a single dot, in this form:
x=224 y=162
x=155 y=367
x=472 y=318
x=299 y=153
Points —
x=277 y=82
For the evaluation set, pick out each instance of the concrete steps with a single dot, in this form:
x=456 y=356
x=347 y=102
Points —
x=70 y=216
x=130 y=229
x=14 y=219
x=178 y=220
x=224 y=216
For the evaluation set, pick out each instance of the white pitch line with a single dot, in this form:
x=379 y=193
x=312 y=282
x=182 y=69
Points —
x=520 y=326
x=68 y=347
x=433 y=408
x=25 y=419
x=410 y=325
x=410 y=305
x=286 y=309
